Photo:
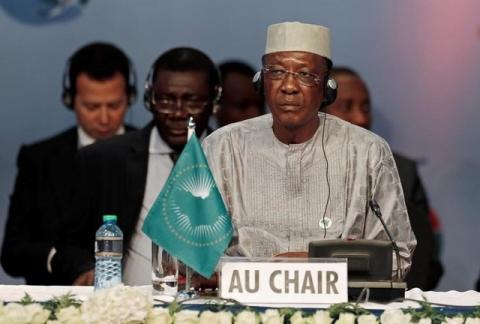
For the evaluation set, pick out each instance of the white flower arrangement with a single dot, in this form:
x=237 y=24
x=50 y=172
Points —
x=271 y=316
x=70 y=315
x=209 y=317
x=247 y=317
x=346 y=318
x=159 y=316
x=186 y=317
x=123 y=304
x=367 y=319
x=471 y=320
x=395 y=316
x=454 y=320
x=322 y=317
x=15 y=313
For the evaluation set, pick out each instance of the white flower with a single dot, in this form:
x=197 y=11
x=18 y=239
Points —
x=367 y=319
x=346 y=318
x=186 y=317
x=453 y=320
x=425 y=321
x=52 y=322
x=271 y=316
x=120 y=304
x=395 y=316
x=208 y=317
x=70 y=315
x=322 y=317
x=297 y=318
x=472 y=320
x=158 y=316
x=14 y=313
x=246 y=317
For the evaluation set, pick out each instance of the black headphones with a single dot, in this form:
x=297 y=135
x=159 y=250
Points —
x=67 y=91
x=149 y=93
x=329 y=88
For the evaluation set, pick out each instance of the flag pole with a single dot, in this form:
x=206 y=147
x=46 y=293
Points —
x=188 y=270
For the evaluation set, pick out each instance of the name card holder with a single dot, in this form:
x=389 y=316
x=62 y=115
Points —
x=284 y=280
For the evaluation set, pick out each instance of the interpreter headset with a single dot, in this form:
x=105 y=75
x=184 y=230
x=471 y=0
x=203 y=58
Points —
x=329 y=87
x=149 y=94
x=68 y=93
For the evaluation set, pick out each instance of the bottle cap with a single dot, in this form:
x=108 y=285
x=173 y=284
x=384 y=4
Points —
x=109 y=218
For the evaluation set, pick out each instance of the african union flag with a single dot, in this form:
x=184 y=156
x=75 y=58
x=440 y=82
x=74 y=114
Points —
x=188 y=219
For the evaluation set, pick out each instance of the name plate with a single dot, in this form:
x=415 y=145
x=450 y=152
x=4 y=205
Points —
x=284 y=281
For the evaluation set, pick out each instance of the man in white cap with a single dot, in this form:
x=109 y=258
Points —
x=297 y=175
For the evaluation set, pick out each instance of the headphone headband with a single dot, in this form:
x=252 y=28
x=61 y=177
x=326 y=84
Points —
x=149 y=92
x=67 y=90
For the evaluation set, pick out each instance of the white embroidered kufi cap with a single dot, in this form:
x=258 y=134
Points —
x=296 y=36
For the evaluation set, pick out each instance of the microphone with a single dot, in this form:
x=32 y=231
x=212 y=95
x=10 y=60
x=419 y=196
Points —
x=376 y=210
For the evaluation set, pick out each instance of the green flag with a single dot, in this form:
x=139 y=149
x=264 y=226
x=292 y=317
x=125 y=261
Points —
x=189 y=219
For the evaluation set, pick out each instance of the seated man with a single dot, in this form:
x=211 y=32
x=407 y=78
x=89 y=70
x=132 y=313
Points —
x=124 y=175
x=98 y=86
x=239 y=100
x=298 y=175
x=353 y=104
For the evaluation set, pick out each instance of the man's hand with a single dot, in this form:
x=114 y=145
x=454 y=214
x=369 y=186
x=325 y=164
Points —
x=85 y=279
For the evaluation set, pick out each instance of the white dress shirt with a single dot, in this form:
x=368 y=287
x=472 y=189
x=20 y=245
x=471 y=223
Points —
x=138 y=263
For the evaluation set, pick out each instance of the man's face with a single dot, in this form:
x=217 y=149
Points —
x=100 y=106
x=181 y=87
x=353 y=101
x=239 y=101
x=295 y=105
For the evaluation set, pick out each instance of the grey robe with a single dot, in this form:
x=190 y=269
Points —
x=277 y=193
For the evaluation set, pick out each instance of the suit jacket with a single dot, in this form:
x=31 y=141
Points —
x=41 y=195
x=111 y=180
x=424 y=273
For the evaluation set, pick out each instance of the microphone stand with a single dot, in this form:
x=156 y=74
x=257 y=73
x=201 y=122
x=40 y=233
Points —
x=376 y=210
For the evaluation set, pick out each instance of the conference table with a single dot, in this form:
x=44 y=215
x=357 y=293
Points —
x=450 y=302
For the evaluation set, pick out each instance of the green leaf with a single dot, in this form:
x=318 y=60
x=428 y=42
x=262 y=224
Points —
x=63 y=301
x=337 y=309
x=27 y=299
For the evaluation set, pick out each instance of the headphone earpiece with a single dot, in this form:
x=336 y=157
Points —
x=148 y=89
x=216 y=100
x=67 y=96
x=132 y=84
x=329 y=92
x=258 y=82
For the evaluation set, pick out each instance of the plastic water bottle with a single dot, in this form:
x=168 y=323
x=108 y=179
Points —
x=108 y=253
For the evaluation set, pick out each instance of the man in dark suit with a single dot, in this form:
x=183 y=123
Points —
x=353 y=105
x=97 y=86
x=124 y=175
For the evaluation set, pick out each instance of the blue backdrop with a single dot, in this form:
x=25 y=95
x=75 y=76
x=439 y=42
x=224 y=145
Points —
x=419 y=58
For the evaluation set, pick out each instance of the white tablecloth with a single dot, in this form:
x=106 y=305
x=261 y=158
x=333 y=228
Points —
x=13 y=293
